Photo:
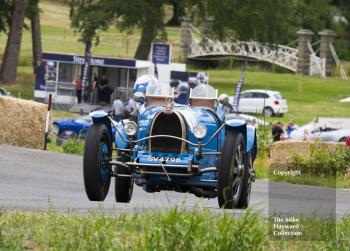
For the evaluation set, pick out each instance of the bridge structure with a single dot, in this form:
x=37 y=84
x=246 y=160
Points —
x=302 y=58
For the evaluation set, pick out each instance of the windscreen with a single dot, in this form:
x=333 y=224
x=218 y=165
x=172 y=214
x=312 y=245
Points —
x=204 y=91
x=159 y=89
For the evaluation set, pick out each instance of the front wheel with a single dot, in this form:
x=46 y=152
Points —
x=97 y=173
x=233 y=172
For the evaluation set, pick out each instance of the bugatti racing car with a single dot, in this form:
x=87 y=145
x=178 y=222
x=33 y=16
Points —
x=171 y=146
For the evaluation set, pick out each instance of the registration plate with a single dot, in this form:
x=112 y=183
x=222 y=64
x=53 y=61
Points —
x=162 y=159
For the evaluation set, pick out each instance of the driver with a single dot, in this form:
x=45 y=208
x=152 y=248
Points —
x=139 y=90
x=182 y=96
x=143 y=82
x=202 y=78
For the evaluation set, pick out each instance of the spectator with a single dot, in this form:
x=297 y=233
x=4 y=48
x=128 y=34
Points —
x=117 y=109
x=291 y=127
x=104 y=91
x=132 y=105
x=224 y=102
x=306 y=135
x=94 y=80
x=277 y=132
x=40 y=73
x=78 y=88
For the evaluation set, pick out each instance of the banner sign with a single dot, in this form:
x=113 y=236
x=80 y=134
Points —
x=85 y=74
x=240 y=83
x=97 y=61
x=161 y=53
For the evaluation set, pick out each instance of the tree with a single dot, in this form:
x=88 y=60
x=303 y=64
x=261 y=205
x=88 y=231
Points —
x=5 y=14
x=263 y=20
x=33 y=13
x=90 y=16
x=315 y=15
x=10 y=58
x=178 y=12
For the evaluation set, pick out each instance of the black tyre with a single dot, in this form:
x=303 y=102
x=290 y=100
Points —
x=233 y=171
x=343 y=139
x=124 y=186
x=268 y=112
x=97 y=174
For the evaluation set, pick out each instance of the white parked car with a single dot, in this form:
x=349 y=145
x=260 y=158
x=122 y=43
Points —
x=321 y=131
x=266 y=102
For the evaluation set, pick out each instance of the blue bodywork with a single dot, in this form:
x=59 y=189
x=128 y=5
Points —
x=143 y=162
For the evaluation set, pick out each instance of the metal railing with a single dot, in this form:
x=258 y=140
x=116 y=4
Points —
x=60 y=88
x=337 y=61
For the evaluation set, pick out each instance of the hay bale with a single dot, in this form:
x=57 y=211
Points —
x=282 y=152
x=22 y=122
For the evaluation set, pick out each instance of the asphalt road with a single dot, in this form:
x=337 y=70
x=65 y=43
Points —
x=41 y=180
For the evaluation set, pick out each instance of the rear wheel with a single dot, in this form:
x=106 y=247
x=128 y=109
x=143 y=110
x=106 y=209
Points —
x=343 y=139
x=232 y=173
x=268 y=112
x=124 y=186
x=97 y=174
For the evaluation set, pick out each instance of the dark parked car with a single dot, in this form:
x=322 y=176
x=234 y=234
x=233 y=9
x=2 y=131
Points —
x=79 y=125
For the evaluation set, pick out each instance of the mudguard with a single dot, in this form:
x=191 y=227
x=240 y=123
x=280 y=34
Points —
x=101 y=117
x=251 y=140
x=248 y=132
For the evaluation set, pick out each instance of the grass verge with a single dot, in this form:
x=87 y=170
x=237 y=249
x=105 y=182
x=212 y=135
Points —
x=175 y=229
x=73 y=146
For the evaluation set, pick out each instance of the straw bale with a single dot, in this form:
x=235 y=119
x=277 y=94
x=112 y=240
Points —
x=282 y=152
x=22 y=122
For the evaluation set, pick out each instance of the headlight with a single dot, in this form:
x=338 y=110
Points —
x=200 y=131
x=130 y=128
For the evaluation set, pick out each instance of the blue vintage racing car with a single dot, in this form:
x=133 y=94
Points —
x=171 y=146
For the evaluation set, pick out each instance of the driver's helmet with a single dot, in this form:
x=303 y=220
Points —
x=174 y=83
x=201 y=78
x=143 y=82
x=223 y=98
